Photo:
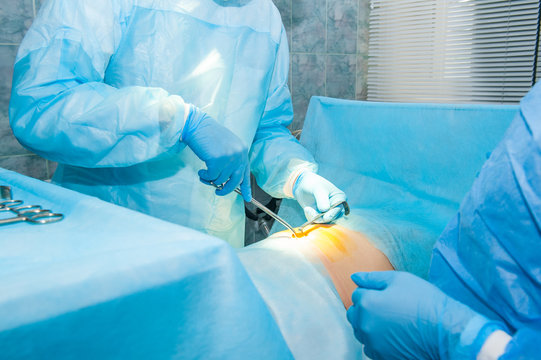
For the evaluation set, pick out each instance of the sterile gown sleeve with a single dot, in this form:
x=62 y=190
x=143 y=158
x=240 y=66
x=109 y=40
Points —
x=276 y=157
x=62 y=109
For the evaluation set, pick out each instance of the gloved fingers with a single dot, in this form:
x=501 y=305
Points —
x=227 y=174
x=369 y=351
x=333 y=214
x=310 y=212
x=322 y=199
x=210 y=174
x=376 y=280
x=357 y=295
x=353 y=316
x=359 y=335
x=232 y=183
x=337 y=196
x=245 y=186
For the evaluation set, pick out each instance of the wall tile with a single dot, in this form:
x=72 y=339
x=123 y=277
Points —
x=363 y=27
x=10 y=146
x=308 y=79
x=308 y=26
x=361 y=77
x=29 y=165
x=7 y=58
x=342 y=26
x=15 y=18
x=340 y=76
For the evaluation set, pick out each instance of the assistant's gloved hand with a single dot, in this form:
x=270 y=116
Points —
x=223 y=152
x=316 y=195
x=397 y=315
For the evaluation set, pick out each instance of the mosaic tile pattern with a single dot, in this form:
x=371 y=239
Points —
x=342 y=26
x=337 y=32
x=10 y=145
x=308 y=79
x=15 y=18
x=362 y=27
x=340 y=76
x=29 y=165
x=361 y=77
x=308 y=26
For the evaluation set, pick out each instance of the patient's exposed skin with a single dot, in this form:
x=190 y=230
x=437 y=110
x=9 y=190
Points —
x=342 y=252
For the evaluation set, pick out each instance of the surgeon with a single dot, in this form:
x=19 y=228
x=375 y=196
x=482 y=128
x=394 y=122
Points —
x=144 y=103
x=485 y=300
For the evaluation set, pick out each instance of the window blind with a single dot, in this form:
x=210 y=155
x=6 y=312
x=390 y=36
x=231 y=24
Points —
x=478 y=51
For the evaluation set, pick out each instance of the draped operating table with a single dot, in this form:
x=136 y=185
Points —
x=107 y=282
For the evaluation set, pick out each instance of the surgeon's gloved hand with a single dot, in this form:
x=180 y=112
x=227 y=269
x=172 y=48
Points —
x=397 y=315
x=315 y=195
x=223 y=152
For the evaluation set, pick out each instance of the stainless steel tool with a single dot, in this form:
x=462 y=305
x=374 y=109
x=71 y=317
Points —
x=33 y=214
x=269 y=212
x=297 y=232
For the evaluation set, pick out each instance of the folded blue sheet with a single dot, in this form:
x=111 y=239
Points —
x=108 y=282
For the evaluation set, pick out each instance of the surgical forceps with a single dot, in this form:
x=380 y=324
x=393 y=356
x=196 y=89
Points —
x=33 y=214
x=297 y=232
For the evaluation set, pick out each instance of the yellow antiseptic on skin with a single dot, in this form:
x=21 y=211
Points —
x=342 y=252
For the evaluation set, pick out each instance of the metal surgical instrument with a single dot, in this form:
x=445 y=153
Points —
x=296 y=231
x=262 y=208
x=33 y=214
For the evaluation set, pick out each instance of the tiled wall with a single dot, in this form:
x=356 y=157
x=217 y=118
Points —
x=328 y=41
x=329 y=49
x=15 y=17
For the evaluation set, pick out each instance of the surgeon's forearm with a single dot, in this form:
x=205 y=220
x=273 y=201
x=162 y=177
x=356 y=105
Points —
x=276 y=159
x=85 y=122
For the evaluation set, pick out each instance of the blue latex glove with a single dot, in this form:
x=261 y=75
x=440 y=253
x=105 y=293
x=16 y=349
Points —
x=223 y=152
x=397 y=315
x=315 y=195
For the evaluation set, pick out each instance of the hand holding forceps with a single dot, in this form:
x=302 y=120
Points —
x=33 y=214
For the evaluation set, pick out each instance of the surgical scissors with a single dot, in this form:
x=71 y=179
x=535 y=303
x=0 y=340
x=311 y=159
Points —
x=33 y=214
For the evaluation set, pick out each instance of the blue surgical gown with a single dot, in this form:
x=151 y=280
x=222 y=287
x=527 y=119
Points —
x=96 y=88
x=489 y=256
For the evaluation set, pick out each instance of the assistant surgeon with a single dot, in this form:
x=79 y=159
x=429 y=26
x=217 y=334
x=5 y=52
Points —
x=484 y=299
x=141 y=101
